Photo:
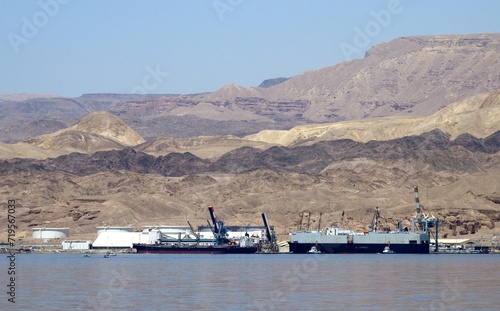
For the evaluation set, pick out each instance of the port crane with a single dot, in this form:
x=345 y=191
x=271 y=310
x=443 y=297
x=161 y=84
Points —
x=422 y=221
x=220 y=233
x=271 y=245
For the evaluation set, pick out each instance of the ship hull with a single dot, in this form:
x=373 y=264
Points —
x=165 y=249
x=400 y=243
x=303 y=248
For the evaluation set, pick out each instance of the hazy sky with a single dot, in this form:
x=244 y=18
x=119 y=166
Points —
x=74 y=47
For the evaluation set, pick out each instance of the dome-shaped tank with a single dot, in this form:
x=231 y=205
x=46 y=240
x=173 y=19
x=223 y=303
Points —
x=114 y=229
x=50 y=233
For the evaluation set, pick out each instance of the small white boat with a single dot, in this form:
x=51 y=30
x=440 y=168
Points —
x=387 y=250
x=314 y=250
x=109 y=254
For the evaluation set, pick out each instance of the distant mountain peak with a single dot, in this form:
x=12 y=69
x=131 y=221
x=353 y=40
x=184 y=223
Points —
x=272 y=82
x=231 y=87
x=98 y=131
x=230 y=92
x=25 y=96
x=406 y=76
x=110 y=126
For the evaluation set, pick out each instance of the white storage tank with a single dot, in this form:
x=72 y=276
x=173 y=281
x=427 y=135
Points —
x=116 y=240
x=101 y=230
x=50 y=233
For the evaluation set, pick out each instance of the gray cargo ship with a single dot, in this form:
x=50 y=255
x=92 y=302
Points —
x=337 y=240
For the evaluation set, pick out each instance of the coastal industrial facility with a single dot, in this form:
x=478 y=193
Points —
x=122 y=238
x=125 y=237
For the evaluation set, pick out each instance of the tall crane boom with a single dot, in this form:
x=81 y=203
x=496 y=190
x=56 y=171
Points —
x=214 y=219
x=268 y=229
x=271 y=245
x=219 y=231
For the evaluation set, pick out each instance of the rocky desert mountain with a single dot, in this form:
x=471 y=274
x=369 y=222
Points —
x=458 y=179
x=358 y=135
x=478 y=116
x=97 y=131
x=409 y=76
x=126 y=188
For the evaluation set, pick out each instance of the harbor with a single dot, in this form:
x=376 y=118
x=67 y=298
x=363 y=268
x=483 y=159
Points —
x=217 y=238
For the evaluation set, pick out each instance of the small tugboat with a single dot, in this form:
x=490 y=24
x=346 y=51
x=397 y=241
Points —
x=387 y=250
x=313 y=250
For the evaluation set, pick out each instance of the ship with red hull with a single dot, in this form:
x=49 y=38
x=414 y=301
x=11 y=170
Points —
x=193 y=249
x=220 y=244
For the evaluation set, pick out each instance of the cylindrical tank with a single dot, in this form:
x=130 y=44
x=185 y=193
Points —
x=50 y=233
x=114 y=229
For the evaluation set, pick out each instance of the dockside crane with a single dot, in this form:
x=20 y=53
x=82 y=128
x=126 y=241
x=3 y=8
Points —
x=219 y=230
x=271 y=245
x=376 y=217
x=423 y=221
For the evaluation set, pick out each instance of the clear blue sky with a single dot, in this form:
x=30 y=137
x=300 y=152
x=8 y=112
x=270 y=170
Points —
x=72 y=47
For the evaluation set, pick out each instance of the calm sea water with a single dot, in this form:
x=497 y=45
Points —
x=255 y=282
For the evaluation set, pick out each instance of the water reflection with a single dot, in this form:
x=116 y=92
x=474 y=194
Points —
x=258 y=282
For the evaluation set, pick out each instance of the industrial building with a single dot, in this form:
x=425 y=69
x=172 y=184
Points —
x=76 y=245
